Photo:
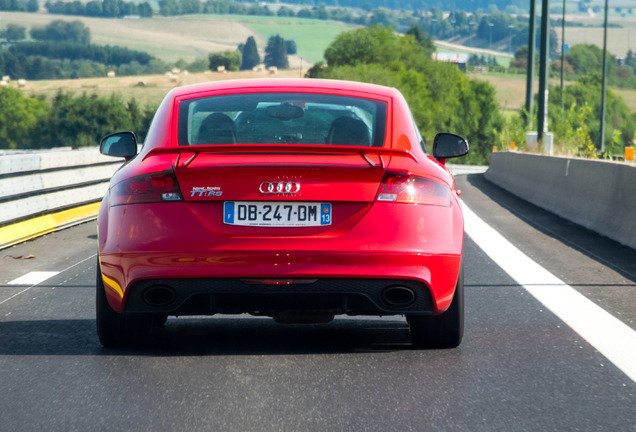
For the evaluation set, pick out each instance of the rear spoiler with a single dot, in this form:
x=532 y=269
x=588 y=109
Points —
x=281 y=148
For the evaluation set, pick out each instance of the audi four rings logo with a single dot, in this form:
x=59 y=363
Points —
x=279 y=187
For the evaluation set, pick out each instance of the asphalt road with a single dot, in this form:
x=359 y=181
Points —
x=519 y=368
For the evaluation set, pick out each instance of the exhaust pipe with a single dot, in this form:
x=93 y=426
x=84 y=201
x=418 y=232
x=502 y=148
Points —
x=398 y=296
x=159 y=296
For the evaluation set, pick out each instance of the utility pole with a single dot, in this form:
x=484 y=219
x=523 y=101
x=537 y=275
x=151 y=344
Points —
x=532 y=36
x=562 y=57
x=601 y=133
x=542 y=116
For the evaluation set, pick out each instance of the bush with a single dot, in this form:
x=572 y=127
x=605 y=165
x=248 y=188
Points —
x=231 y=60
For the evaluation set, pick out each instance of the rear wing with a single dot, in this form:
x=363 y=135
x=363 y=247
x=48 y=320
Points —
x=281 y=149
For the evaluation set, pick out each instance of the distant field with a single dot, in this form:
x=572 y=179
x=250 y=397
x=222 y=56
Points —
x=194 y=36
x=619 y=39
x=148 y=90
x=511 y=90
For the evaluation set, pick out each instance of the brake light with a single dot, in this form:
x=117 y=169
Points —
x=158 y=187
x=406 y=188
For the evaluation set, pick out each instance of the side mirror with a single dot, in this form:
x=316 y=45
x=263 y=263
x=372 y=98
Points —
x=448 y=145
x=119 y=144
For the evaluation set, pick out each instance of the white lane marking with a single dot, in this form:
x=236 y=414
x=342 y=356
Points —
x=13 y=282
x=33 y=278
x=611 y=337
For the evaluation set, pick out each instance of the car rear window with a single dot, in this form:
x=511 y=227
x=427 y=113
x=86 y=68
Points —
x=282 y=118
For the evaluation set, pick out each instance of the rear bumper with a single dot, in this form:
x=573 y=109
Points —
x=230 y=296
x=349 y=283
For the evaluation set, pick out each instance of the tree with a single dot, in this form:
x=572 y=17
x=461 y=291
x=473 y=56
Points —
x=586 y=93
x=111 y=8
x=373 y=45
x=190 y=6
x=78 y=121
x=230 y=60
x=284 y=11
x=32 y=6
x=94 y=8
x=422 y=38
x=19 y=115
x=58 y=30
x=439 y=94
x=168 y=7
x=13 y=33
x=291 y=47
x=145 y=10
x=250 y=56
x=276 y=53
x=586 y=59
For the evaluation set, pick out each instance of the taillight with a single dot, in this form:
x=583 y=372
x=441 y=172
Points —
x=406 y=188
x=158 y=187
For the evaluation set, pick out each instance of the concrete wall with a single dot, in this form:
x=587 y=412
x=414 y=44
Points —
x=599 y=195
x=41 y=191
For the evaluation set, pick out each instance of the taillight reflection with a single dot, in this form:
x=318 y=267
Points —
x=407 y=188
x=158 y=187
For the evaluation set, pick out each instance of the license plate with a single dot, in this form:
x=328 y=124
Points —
x=272 y=214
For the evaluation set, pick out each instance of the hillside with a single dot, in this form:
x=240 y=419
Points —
x=194 y=36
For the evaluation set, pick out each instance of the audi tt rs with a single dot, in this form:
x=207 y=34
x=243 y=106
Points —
x=294 y=199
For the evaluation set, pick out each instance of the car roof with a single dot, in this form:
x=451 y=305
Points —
x=286 y=85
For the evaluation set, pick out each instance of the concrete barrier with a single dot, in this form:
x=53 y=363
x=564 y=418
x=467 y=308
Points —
x=41 y=191
x=596 y=194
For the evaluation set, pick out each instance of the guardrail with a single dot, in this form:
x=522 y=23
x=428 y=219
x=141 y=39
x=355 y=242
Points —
x=596 y=194
x=41 y=191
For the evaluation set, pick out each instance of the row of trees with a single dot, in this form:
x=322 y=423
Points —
x=62 y=49
x=247 y=57
x=107 y=55
x=19 y=6
x=102 y=9
x=67 y=121
x=57 y=30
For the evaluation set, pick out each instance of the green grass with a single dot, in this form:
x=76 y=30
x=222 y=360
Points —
x=312 y=36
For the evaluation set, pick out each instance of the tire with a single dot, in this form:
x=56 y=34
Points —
x=115 y=329
x=441 y=331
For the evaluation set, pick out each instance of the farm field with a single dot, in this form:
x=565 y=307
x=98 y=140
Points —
x=148 y=90
x=190 y=37
x=511 y=90
x=619 y=39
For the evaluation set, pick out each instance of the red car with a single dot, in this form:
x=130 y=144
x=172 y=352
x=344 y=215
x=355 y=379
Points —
x=296 y=199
